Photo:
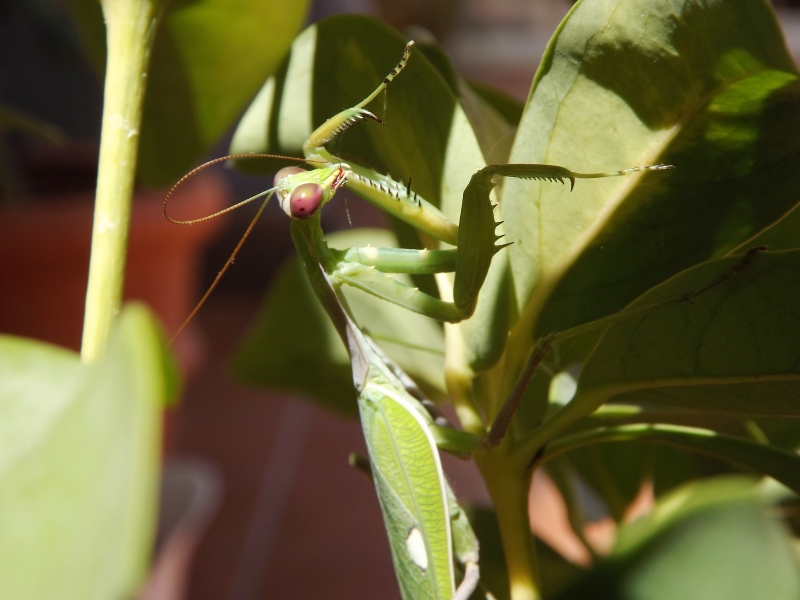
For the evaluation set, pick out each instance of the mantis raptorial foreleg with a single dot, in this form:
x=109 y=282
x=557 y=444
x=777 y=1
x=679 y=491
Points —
x=303 y=193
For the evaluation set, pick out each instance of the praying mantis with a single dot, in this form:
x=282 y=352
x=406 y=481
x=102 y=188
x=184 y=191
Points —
x=428 y=532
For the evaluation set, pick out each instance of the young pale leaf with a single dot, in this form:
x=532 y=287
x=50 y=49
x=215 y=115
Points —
x=79 y=463
x=733 y=349
x=705 y=86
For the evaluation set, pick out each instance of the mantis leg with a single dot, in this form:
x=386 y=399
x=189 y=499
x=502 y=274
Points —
x=314 y=146
x=384 y=192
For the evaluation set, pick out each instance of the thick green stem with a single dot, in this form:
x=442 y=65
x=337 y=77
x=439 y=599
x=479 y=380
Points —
x=509 y=484
x=130 y=26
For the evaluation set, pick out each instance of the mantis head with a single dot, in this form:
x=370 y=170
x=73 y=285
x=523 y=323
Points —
x=302 y=193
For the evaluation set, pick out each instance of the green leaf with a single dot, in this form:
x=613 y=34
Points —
x=707 y=87
x=616 y=472
x=79 y=463
x=509 y=107
x=208 y=61
x=784 y=235
x=705 y=540
x=733 y=349
x=782 y=465
x=492 y=114
x=293 y=336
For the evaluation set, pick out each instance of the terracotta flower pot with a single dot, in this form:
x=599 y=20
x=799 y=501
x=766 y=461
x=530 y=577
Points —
x=44 y=262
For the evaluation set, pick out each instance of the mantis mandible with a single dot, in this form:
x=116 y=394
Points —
x=426 y=528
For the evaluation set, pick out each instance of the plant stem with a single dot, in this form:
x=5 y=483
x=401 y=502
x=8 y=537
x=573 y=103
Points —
x=509 y=484
x=130 y=27
x=458 y=375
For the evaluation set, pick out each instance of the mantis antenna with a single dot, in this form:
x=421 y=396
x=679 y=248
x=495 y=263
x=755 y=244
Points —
x=268 y=193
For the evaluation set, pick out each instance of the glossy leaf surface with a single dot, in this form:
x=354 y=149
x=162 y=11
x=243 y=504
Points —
x=707 y=87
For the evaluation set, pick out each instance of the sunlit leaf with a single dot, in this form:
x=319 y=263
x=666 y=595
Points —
x=79 y=463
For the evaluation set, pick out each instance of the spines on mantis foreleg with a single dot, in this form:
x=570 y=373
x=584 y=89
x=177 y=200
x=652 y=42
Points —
x=476 y=226
x=555 y=173
x=402 y=201
x=313 y=147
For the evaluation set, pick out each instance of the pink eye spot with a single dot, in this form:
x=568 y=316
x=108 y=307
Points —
x=285 y=172
x=305 y=200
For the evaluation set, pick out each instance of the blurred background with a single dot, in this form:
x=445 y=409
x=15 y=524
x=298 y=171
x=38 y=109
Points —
x=277 y=499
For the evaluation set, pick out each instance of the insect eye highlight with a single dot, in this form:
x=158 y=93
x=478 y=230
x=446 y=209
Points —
x=305 y=200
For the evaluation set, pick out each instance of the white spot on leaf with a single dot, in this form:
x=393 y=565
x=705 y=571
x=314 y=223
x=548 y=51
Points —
x=416 y=548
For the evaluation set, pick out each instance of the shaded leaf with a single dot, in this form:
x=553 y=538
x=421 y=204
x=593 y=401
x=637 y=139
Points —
x=705 y=540
x=782 y=465
x=492 y=114
x=733 y=349
x=509 y=107
x=208 y=60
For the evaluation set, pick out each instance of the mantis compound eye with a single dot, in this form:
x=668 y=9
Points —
x=286 y=172
x=305 y=200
